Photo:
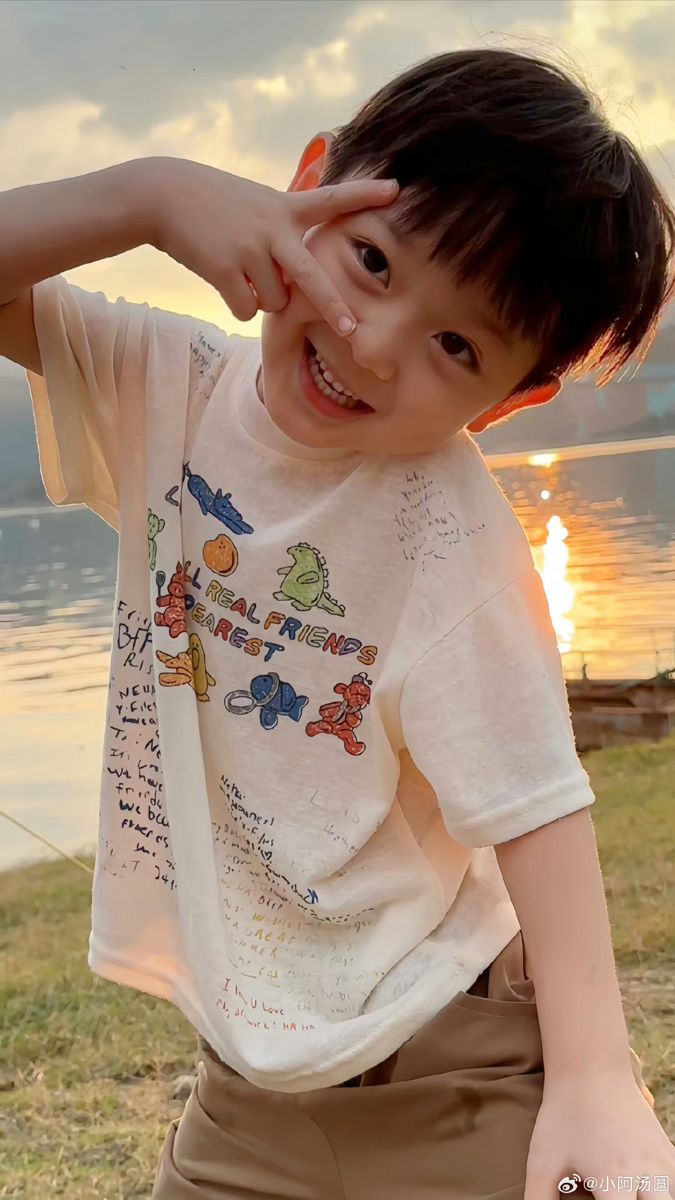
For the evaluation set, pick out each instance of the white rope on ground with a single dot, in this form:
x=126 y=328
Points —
x=46 y=841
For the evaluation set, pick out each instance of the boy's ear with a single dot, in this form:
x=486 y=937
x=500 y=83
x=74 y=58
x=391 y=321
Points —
x=312 y=162
x=506 y=408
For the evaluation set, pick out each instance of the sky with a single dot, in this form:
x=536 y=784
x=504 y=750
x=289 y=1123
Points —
x=243 y=84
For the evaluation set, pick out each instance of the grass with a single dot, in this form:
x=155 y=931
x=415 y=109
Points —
x=86 y=1067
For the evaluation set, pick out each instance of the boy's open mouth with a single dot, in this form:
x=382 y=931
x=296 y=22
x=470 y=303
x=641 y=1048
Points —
x=325 y=391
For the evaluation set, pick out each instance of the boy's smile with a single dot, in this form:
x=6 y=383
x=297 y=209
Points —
x=425 y=360
x=327 y=391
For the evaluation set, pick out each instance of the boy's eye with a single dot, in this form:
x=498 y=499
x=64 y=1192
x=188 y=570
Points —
x=374 y=261
x=454 y=344
x=371 y=258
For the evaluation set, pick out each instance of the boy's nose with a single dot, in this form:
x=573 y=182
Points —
x=374 y=352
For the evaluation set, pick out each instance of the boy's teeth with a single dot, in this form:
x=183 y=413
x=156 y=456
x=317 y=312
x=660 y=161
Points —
x=331 y=387
x=336 y=383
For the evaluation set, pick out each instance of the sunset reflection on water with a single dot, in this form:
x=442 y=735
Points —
x=551 y=561
x=602 y=532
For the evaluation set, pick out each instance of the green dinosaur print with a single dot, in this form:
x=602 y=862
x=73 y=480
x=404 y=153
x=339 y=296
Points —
x=306 y=582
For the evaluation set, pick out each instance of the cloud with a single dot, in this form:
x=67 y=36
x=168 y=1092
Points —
x=322 y=86
x=281 y=68
x=648 y=37
x=142 y=61
x=243 y=84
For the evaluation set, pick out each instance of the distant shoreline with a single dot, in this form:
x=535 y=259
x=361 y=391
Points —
x=39 y=510
x=496 y=460
x=514 y=458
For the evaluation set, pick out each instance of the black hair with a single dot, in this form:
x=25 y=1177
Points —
x=527 y=189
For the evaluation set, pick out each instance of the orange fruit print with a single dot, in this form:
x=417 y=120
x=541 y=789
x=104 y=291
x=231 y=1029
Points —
x=220 y=555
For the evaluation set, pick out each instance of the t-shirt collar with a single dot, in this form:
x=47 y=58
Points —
x=258 y=424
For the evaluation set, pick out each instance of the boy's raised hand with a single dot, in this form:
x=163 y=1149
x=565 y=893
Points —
x=239 y=235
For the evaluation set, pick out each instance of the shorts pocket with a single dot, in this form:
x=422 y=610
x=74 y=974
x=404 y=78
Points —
x=167 y=1182
x=212 y=1060
x=506 y=978
x=518 y=1006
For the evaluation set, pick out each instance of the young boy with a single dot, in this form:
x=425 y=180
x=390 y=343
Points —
x=340 y=788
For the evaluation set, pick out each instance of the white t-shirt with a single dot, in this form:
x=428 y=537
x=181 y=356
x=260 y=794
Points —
x=334 y=688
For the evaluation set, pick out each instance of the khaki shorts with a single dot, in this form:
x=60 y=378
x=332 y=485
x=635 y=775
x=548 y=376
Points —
x=449 y=1116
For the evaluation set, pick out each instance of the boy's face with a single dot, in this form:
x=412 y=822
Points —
x=421 y=358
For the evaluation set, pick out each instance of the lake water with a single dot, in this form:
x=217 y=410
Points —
x=602 y=529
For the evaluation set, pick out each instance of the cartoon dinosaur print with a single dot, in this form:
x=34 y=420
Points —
x=174 y=601
x=155 y=526
x=188 y=667
x=306 y=582
x=341 y=718
x=271 y=695
x=220 y=506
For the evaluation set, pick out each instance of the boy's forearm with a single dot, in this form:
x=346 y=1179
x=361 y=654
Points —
x=48 y=228
x=554 y=878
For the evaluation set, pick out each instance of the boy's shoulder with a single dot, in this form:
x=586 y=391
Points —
x=208 y=341
x=459 y=469
x=218 y=363
x=451 y=513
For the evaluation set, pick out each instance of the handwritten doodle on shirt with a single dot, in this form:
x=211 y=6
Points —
x=250 y=835
x=206 y=364
x=155 y=526
x=132 y=763
x=251 y=838
x=342 y=717
x=426 y=528
x=219 y=505
x=133 y=637
x=276 y=934
x=220 y=555
x=170 y=496
x=271 y=696
x=188 y=667
x=306 y=581
x=173 y=602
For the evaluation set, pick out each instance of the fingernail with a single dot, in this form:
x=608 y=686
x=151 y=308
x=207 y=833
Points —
x=389 y=185
x=346 y=325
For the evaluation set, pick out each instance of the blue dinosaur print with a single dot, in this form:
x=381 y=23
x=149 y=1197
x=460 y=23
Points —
x=220 y=506
x=272 y=696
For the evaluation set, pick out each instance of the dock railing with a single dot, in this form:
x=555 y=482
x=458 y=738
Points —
x=634 y=652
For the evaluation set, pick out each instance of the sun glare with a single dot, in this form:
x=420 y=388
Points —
x=542 y=460
x=554 y=556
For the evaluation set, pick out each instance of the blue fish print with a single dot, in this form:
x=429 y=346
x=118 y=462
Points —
x=276 y=699
x=218 y=505
x=271 y=695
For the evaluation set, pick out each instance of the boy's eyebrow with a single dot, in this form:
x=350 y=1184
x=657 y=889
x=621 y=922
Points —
x=485 y=323
x=392 y=227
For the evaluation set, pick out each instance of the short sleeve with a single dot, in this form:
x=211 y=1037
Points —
x=485 y=716
x=101 y=362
